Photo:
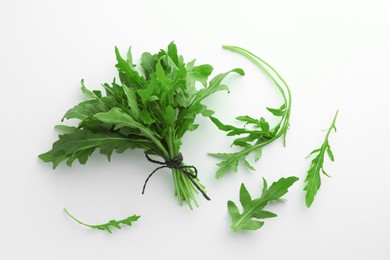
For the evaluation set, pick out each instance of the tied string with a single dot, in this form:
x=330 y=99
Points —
x=175 y=163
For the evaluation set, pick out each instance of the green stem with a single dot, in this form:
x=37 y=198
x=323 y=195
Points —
x=326 y=140
x=184 y=189
x=75 y=219
x=332 y=126
x=287 y=99
x=255 y=59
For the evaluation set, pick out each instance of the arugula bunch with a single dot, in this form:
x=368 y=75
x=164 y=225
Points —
x=151 y=111
x=254 y=208
x=259 y=133
x=313 y=178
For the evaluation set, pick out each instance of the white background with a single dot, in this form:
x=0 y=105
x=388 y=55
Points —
x=333 y=54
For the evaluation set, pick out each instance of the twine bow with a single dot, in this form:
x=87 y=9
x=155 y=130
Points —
x=175 y=163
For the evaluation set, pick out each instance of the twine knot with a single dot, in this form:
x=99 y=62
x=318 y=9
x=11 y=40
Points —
x=175 y=163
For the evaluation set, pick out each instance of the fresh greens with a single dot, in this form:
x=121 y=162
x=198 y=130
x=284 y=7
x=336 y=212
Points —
x=260 y=134
x=150 y=111
x=109 y=225
x=313 y=178
x=253 y=208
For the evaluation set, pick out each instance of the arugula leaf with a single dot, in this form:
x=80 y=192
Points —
x=201 y=73
x=253 y=209
x=109 y=225
x=313 y=178
x=259 y=133
x=85 y=110
x=188 y=115
x=148 y=63
x=127 y=73
x=80 y=144
x=149 y=110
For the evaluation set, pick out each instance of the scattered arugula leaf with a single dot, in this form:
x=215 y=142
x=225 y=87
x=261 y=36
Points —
x=313 y=178
x=109 y=225
x=253 y=208
x=150 y=111
x=260 y=134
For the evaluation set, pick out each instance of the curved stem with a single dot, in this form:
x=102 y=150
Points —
x=255 y=59
x=75 y=219
x=266 y=63
x=287 y=99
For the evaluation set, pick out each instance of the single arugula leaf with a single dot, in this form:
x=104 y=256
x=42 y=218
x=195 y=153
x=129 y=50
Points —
x=132 y=102
x=81 y=143
x=148 y=63
x=253 y=209
x=256 y=134
x=96 y=94
x=275 y=112
x=313 y=178
x=201 y=73
x=109 y=225
x=85 y=110
x=66 y=129
x=121 y=119
x=127 y=73
x=187 y=116
x=149 y=109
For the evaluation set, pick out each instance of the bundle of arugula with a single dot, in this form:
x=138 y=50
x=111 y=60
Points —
x=151 y=112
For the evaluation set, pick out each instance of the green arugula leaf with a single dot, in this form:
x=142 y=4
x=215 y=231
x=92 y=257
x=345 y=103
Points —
x=132 y=102
x=66 y=129
x=148 y=63
x=187 y=115
x=201 y=73
x=127 y=73
x=80 y=144
x=172 y=53
x=253 y=209
x=215 y=85
x=248 y=120
x=276 y=112
x=170 y=115
x=313 y=178
x=96 y=94
x=109 y=225
x=258 y=134
x=85 y=110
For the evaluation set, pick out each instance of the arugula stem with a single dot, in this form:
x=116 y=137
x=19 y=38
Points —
x=190 y=191
x=176 y=183
x=287 y=99
x=75 y=219
x=326 y=140
x=256 y=140
x=255 y=59
x=332 y=126
x=325 y=144
x=184 y=189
